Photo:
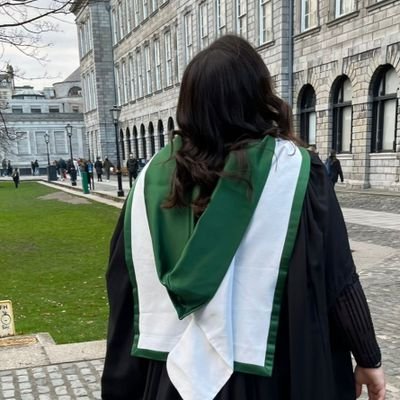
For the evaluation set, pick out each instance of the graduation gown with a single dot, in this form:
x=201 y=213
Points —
x=311 y=360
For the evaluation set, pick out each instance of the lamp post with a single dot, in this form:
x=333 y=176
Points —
x=115 y=113
x=46 y=139
x=71 y=166
x=68 y=128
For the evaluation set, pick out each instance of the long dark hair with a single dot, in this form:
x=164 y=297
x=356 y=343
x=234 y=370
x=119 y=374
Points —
x=226 y=101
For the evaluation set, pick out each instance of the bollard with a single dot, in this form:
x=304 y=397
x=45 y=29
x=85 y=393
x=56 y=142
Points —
x=85 y=182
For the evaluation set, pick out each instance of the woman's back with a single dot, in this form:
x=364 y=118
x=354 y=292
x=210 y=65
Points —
x=231 y=255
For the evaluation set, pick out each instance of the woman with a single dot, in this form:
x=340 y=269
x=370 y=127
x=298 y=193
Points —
x=15 y=177
x=230 y=272
x=334 y=168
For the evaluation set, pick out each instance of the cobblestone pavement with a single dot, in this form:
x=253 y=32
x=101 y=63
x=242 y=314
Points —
x=386 y=203
x=381 y=280
x=54 y=382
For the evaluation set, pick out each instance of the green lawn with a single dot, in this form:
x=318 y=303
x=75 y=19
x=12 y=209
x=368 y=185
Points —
x=53 y=258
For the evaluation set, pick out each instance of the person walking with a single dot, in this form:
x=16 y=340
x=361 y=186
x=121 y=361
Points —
x=63 y=168
x=107 y=164
x=230 y=274
x=33 y=168
x=4 y=167
x=89 y=170
x=15 y=177
x=132 y=165
x=334 y=168
x=98 y=166
x=36 y=164
x=9 y=168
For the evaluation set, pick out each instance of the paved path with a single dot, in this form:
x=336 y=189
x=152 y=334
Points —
x=373 y=224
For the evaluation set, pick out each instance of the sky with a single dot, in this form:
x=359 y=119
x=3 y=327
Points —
x=62 y=54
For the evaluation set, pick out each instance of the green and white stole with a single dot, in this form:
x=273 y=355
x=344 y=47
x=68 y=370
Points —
x=207 y=296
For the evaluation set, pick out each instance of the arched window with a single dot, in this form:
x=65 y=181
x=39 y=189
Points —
x=384 y=110
x=128 y=141
x=143 y=139
x=171 y=125
x=135 y=143
x=75 y=91
x=342 y=115
x=160 y=129
x=121 y=139
x=308 y=116
x=152 y=142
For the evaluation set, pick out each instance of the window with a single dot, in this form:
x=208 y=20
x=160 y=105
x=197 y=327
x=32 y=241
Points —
x=124 y=84
x=75 y=91
x=157 y=62
x=168 y=58
x=308 y=14
x=85 y=92
x=308 y=116
x=123 y=19
x=54 y=109
x=147 y=63
x=41 y=147
x=89 y=35
x=17 y=110
x=117 y=85
x=143 y=140
x=220 y=11
x=81 y=41
x=203 y=25
x=120 y=19
x=145 y=4
x=129 y=14
x=23 y=143
x=128 y=82
x=265 y=21
x=114 y=26
x=132 y=76
x=241 y=17
x=188 y=31
x=153 y=5
x=342 y=116
x=152 y=141
x=93 y=90
x=36 y=110
x=60 y=143
x=139 y=72
x=136 y=12
x=160 y=129
x=343 y=7
x=121 y=138
x=384 y=110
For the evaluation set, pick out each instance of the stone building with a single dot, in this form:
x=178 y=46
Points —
x=31 y=114
x=337 y=62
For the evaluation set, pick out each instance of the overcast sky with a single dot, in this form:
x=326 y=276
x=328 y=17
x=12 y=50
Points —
x=62 y=54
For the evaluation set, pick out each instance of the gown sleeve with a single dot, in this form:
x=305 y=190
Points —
x=124 y=377
x=352 y=320
x=349 y=312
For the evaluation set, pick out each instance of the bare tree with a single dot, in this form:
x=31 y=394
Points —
x=23 y=26
x=24 y=22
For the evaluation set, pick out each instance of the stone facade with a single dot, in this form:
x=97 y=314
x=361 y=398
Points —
x=355 y=40
x=356 y=45
x=30 y=114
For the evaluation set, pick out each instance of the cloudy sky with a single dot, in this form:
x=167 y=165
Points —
x=62 y=54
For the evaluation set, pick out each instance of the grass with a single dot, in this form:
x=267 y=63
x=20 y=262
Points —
x=53 y=258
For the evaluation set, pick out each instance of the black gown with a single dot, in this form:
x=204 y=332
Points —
x=316 y=330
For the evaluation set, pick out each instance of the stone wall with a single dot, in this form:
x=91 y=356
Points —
x=355 y=45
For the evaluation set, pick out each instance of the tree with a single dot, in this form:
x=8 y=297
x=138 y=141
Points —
x=23 y=23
